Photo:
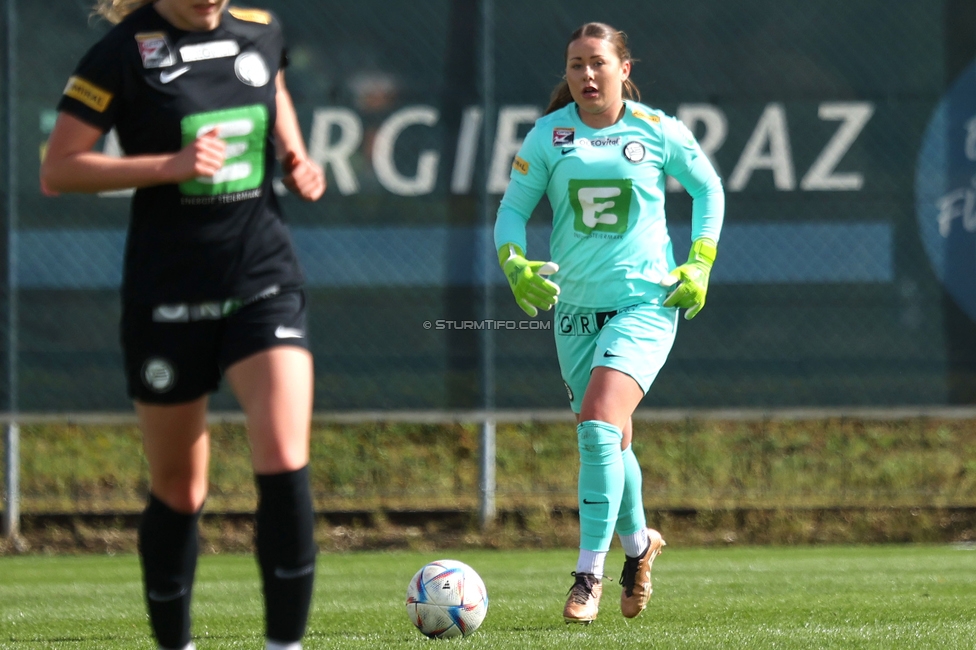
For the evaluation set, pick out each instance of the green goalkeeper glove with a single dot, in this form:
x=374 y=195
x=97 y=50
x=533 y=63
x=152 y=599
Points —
x=533 y=291
x=690 y=280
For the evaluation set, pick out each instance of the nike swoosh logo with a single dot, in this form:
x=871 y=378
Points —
x=168 y=75
x=566 y=151
x=289 y=333
x=285 y=574
x=165 y=598
x=593 y=503
x=609 y=355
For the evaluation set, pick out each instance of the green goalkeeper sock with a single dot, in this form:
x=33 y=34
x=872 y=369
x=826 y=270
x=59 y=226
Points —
x=631 y=518
x=601 y=482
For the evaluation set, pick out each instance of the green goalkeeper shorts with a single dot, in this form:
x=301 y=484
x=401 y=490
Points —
x=635 y=340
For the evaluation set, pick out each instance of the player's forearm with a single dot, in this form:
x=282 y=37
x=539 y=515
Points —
x=509 y=228
x=91 y=172
x=514 y=213
x=288 y=133
x=707 y=201
x=708 y=214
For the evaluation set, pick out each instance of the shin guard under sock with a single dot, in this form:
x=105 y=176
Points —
x=631 y=517
x=168 y=549
x=284 y=536
x=601 y=482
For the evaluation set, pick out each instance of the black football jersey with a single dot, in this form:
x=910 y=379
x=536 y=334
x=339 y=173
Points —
x=161 y=88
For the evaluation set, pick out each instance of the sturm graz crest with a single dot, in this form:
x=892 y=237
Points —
x=251 y=69
x=158 y=374
x=634 y=152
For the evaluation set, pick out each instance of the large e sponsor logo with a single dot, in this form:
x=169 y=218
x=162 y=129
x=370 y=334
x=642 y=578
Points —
x=601 y=205
x=945 y=191
x=244 y=131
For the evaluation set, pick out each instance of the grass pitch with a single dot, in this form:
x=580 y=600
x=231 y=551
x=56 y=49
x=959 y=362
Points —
x=752 y=597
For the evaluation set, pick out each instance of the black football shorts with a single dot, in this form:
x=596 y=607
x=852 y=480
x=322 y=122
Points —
x=176 y=353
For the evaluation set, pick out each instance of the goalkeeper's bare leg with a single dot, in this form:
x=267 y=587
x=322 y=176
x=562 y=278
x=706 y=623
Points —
x=611 y=396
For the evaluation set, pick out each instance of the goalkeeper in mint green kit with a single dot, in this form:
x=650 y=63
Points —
x=602 y=159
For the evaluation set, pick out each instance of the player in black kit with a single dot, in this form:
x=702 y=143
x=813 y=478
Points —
x=195 y=90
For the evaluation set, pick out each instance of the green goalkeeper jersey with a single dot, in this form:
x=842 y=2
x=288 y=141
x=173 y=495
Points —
x=607 y=188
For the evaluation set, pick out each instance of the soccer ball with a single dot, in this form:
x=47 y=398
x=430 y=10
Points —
x=447 y=598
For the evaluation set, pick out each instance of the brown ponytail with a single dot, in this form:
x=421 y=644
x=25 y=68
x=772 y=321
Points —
x=560 y=97
x=560 y=94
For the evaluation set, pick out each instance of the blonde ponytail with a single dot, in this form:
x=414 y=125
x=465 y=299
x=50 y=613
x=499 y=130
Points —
x=115 y=10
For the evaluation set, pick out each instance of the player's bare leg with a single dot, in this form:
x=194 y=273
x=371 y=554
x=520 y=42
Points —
x=274 y=388
x=608 y=403
x=640 y=546
x=177 y=447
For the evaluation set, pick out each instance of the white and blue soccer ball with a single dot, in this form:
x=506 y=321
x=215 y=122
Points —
x=447 y=598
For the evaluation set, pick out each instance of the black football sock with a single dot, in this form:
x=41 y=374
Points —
x=168 y=549
x=286 y=551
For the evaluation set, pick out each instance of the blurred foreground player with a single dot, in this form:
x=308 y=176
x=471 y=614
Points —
x=211 y=284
